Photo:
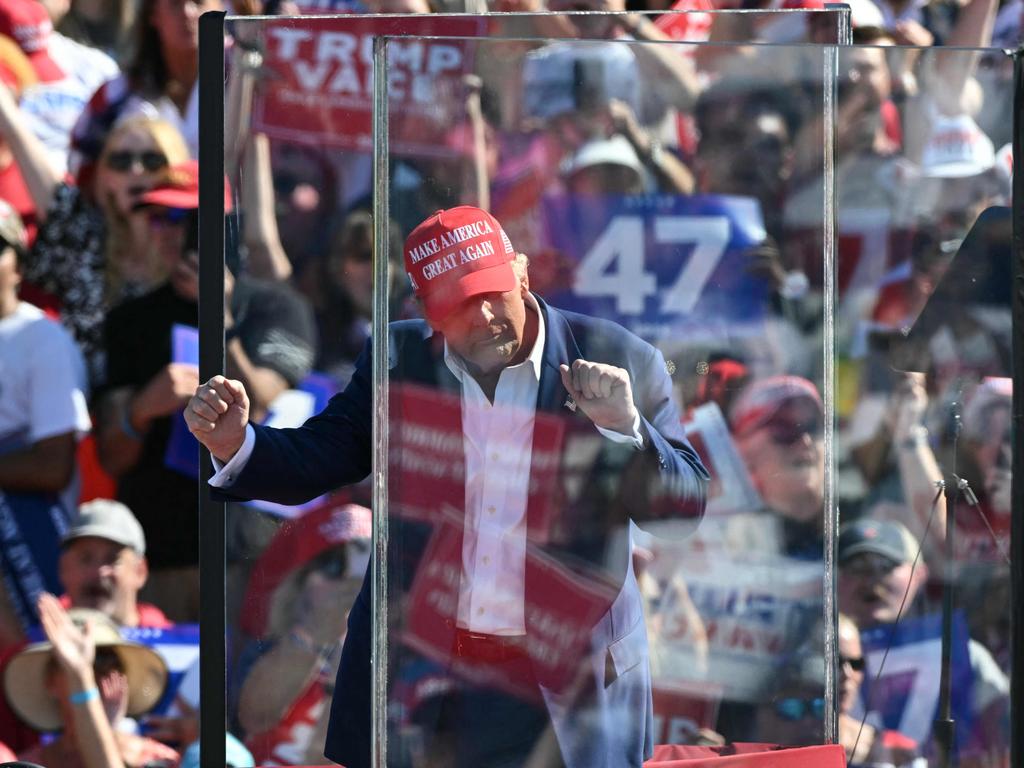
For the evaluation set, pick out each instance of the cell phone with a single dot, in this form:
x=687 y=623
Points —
x=590 y=91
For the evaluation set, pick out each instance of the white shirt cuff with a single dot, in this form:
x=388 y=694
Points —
x=225 y=474
x=616 y=437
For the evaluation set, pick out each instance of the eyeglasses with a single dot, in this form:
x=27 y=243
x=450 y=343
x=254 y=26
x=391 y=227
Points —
x=123 y=160
x=856 y=664
x=793 y=708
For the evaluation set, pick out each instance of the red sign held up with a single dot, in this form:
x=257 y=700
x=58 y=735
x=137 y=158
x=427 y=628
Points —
x=321 y=89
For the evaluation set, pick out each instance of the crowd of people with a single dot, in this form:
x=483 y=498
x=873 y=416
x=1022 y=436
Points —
x=687 y=192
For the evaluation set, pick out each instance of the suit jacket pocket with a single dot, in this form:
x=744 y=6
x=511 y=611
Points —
x=626 y=653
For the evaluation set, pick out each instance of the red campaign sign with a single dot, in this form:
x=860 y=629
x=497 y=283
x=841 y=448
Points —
x=427 y=460
x=740 y=756
x=426 y=457
x=868 y=246
x=692 y=27
x=321 y=90
x=679 y=714
x=559 y=629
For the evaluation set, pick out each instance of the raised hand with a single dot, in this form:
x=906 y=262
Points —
x=73 y=648
x=114 y=695
x=166 y=393
x=910 y=405
x=217 y=415
x=603 y=392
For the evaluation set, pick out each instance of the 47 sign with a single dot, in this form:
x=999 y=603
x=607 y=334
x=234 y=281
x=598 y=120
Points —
x=654 y=262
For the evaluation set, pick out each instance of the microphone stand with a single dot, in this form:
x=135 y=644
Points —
x=945 y=725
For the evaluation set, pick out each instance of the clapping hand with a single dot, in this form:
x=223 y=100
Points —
x=73 y=648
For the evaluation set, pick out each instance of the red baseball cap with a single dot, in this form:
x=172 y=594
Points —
x=456 y=254
x=179 y=188
x=29 y=25
x=297 y=543
x=762 y=399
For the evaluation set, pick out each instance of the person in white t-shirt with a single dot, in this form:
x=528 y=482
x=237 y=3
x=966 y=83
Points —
x=67 y=75
x=42 y=415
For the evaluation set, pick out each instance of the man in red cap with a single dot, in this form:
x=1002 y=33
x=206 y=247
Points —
x=504 y=372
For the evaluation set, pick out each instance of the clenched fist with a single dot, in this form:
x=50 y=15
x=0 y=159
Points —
x=217 y=415
x=603 y=392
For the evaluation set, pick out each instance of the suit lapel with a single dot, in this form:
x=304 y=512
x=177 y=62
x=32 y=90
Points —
x=559 y=347
x=553 y=406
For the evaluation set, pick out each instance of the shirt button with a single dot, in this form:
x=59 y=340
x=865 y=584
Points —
x=491 y=510
x=487 y=560
x=479 y=611
x=495 y=457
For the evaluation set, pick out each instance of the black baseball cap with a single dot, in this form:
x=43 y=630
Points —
x=882 y=537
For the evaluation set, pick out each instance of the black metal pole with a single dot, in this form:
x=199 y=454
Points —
x=1017 y=493
x=945 y=727
x=212 y=647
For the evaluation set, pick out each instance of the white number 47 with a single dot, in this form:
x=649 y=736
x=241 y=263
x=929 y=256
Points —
x=614 y=266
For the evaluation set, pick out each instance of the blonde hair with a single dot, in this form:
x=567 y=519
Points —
x=520 y=265
x=170 y=142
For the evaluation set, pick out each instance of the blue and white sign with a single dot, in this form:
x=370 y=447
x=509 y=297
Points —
x=178 y=646
x=906 y=695
x=182 y=453
x=658 y=263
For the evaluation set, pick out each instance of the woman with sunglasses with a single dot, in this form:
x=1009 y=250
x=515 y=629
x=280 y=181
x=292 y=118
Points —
x=777 y=423
x=93 y=248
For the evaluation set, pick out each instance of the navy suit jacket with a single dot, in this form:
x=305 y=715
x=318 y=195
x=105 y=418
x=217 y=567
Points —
x=332 y=449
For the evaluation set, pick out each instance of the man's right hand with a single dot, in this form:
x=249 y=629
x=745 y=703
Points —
x=217 y=415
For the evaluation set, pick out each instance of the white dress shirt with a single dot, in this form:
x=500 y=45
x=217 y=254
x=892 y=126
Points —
x=498 y=444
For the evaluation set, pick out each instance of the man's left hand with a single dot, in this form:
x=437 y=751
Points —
x=603 y=392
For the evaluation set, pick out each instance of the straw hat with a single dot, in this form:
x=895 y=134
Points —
x=25 y=674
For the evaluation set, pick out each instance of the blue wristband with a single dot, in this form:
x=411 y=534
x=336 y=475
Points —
x=84 y=697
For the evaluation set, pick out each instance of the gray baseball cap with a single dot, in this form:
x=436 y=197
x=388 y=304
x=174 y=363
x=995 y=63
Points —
x=107 y=519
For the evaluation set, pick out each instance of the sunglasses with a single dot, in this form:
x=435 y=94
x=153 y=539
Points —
x=856 y=664
x=123 y=160
x=784 y=431
x=169 y=216
x=792 y=708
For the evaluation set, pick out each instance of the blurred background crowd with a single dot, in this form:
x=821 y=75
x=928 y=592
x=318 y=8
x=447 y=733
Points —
x=680 y=190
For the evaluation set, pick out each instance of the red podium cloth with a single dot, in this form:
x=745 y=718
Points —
x=747 y=756
x=742 y=756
